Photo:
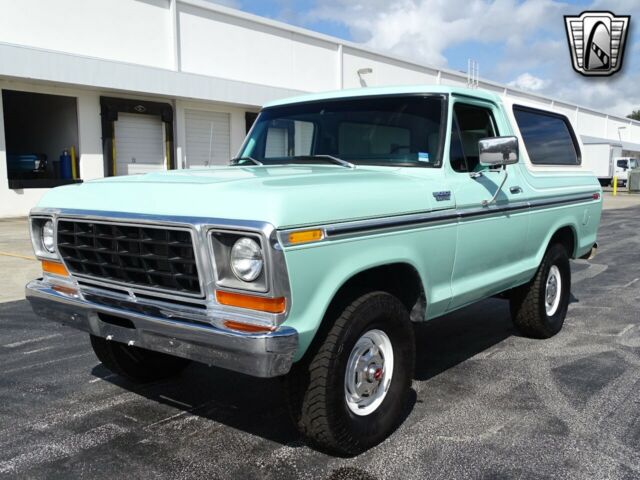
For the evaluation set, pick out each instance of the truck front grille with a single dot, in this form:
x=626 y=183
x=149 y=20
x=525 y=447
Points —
x=149 y=257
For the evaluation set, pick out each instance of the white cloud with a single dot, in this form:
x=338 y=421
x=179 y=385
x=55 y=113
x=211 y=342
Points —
x=424 y=29
x=534 y=56
x=526 y=81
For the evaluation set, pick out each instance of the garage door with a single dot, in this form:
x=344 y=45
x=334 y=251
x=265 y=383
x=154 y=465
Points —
x=140 y=144
x=207 y=138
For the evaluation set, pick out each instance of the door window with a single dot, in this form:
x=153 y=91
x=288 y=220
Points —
x=470 y=125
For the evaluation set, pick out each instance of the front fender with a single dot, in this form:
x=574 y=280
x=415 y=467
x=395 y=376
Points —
x=317 y=272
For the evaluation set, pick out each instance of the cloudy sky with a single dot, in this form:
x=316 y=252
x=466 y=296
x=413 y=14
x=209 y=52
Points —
x=517 y=42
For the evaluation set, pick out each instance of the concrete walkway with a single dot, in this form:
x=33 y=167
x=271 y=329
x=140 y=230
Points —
x=18 y=265
x=624 y=199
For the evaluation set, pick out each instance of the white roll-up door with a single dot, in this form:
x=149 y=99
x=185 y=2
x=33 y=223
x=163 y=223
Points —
x=140 y=144
x=208 y=138
x=277 y=141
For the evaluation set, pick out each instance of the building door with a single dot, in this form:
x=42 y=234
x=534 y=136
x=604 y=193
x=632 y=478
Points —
x=208 y=139
x=139 y=144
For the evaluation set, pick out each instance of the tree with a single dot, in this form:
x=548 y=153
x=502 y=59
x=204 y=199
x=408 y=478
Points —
x=635 y=115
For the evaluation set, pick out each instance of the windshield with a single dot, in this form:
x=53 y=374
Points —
x=392 y=130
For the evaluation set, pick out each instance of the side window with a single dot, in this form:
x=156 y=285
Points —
x=474 y=123
x=548 y=137
x=456 y=153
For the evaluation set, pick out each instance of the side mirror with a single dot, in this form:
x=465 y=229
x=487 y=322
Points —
x=498 y=151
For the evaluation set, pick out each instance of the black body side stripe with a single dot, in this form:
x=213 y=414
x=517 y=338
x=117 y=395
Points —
x=416 y=220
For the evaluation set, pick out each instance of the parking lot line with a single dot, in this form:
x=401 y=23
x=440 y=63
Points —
x=31 y=340
x=17 y=255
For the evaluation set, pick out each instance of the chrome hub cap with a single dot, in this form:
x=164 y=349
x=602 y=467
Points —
x=369 y=372
x=553 y=291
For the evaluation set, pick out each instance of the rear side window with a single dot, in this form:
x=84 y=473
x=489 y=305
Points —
x=548 y=137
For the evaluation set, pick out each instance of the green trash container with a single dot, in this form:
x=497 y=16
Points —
x=633 y=181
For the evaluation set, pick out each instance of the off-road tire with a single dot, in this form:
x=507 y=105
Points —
x=135 y=363
x=315 y=388
x=528 y=301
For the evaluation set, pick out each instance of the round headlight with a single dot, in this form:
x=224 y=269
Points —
x=246 y=259
x=47 y=237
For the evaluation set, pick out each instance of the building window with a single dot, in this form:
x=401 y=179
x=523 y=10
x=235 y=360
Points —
x=548 y=137
x=41 y=136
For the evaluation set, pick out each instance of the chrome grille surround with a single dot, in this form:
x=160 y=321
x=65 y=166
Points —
x=153 y=257
x=200 y=227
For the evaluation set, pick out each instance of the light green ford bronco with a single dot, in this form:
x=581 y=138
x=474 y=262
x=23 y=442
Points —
x=345 y=218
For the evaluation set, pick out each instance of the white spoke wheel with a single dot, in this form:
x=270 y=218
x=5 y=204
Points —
x=351 y=389
x=369 y=372
x=553 y=291
x=538 y=308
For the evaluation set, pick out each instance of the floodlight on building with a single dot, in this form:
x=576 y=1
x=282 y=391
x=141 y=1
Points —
x=361 y=72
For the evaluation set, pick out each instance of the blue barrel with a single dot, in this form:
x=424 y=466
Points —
x=65 y=165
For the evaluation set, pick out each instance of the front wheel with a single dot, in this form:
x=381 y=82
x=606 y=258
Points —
x=135 y=363
x=350 y=393
x=538 y=308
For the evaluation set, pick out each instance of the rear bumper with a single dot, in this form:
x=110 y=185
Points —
x=258 y=354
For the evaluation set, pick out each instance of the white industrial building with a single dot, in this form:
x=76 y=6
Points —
x=131 y=86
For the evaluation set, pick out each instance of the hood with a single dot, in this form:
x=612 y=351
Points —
x=284 y=195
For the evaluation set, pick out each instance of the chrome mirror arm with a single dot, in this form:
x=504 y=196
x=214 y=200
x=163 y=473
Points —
x=486 y=203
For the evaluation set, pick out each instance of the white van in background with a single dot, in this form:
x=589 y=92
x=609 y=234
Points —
x=600 y=158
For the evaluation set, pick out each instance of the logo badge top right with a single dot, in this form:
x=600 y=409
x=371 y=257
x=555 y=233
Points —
x=597 y=41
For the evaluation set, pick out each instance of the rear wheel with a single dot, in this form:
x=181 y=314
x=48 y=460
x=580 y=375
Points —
x=538 y=309
x=350 y=392
x=135 y=363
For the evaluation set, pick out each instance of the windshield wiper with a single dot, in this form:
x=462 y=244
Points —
x=237 y=160
x=330 y=158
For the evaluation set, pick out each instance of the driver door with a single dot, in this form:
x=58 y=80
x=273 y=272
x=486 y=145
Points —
x=491 y=239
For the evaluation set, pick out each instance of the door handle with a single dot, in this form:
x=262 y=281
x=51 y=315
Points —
x=515 y=190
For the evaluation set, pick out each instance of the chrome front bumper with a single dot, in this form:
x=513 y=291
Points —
x=258 y=354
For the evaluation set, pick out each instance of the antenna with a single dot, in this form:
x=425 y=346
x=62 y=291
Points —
x=473 y=73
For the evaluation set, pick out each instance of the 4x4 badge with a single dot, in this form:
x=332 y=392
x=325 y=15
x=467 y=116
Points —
x=596 y=42
x=441 y=196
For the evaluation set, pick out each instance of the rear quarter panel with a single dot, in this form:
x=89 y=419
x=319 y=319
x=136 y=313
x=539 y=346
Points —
x=554 y=181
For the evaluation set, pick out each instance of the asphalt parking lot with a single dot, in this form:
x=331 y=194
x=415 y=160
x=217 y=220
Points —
x=487 y=403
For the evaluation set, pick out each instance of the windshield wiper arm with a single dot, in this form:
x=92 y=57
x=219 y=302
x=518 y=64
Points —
x=331 y=158
x=237 y=160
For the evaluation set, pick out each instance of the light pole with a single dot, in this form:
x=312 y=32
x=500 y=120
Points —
x=619 y=134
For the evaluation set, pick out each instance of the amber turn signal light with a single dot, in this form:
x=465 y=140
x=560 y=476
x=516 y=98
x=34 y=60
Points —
x=55 y=268
x=306 y=236
x=247 y=327
x=269 y=305
x=65 y=290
